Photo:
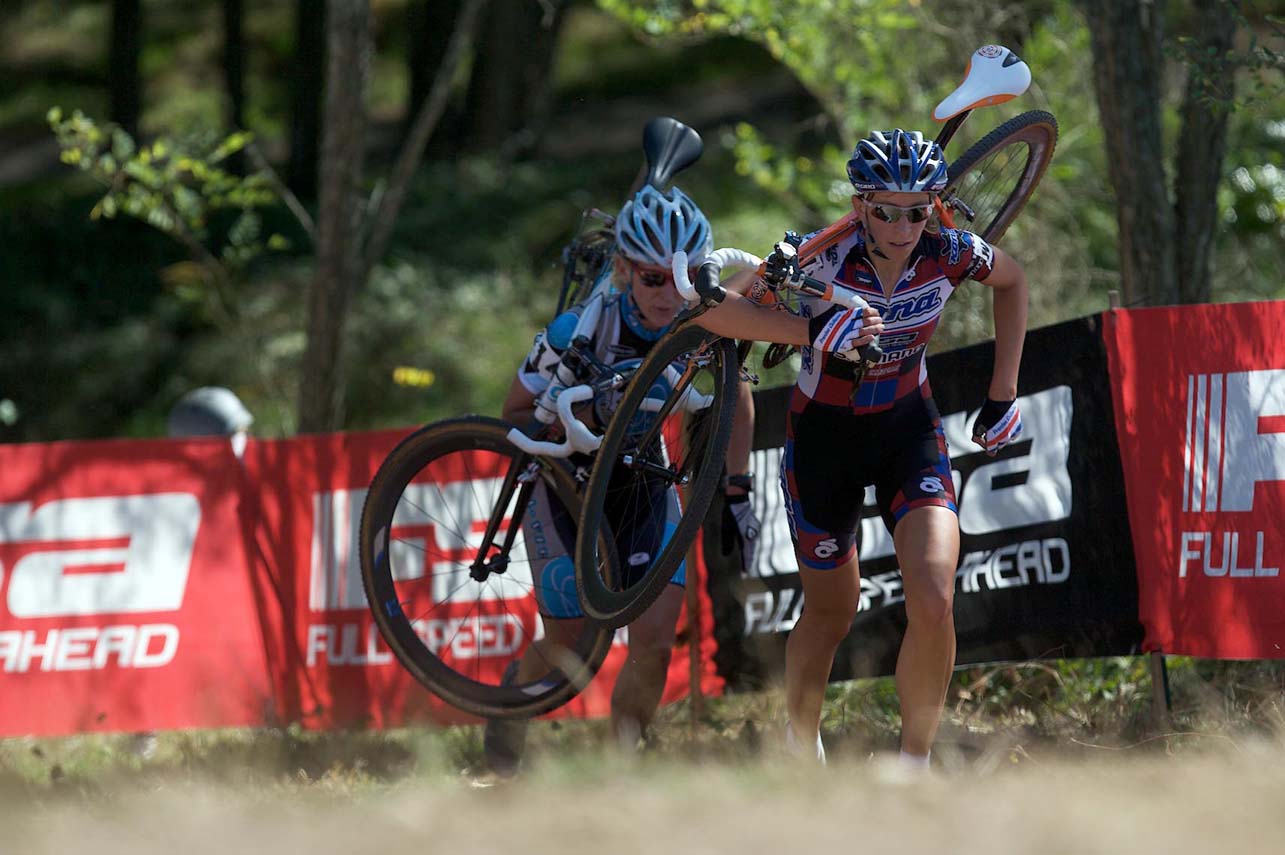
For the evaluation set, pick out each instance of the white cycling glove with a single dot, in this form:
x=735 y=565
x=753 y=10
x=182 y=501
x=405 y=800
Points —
x=842 y=332
x=997 y=424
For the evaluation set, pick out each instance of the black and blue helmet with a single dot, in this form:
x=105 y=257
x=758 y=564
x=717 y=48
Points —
x=897 y=161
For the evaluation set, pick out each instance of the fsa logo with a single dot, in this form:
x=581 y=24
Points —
x=100 y=555
x=1235 y=438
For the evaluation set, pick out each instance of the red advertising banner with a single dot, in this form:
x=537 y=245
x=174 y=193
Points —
x=1200 y=417
x=331 y=665
x=125 y=598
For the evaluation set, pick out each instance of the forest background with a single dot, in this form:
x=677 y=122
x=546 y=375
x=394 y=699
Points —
x=275 y=219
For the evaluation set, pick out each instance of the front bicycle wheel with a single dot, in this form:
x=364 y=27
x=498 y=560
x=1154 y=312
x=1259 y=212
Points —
x=997 y=174
x=458 y=611
x=656 y=471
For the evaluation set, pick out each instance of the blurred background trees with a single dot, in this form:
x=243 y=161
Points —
x=1167 y=182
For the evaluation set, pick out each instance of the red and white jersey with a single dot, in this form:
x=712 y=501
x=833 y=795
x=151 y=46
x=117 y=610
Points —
x=936 y=266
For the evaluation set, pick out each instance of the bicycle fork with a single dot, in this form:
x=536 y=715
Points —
x=521 y=477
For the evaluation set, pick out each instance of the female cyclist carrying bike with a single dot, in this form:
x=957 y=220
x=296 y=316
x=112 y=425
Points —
x=847 y=431
x=634 y=313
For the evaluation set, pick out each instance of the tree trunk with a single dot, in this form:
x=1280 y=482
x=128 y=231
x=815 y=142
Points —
x=1128 y=69
x=429 y=24
x=306 y=85
x=123 y=81
x=234 y=71
x=421 y=131
x=510 y=72
x=340 y=216
x=1211 y=81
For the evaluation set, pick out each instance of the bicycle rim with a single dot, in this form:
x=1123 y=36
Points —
x=421 y=529
x=656 y=458
x=999 y=172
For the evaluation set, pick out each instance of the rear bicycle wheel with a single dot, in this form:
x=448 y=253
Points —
x=455 y=616
x=997 y=174
x=670 y=430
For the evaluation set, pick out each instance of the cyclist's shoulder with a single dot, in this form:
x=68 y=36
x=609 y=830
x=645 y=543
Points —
x=958 y=251
x=831 y=244
x=953 y=243
x=559 y=331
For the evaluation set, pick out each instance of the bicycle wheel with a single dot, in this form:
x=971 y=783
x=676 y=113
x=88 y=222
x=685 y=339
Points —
x=670 y=430
x=456 y=618
x=998 y=173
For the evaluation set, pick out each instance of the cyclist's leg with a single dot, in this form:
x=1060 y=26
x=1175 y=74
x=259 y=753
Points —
x=641 y=683
x=920 y=511
x=927 y=544
x=823 y=512
x=547 y=536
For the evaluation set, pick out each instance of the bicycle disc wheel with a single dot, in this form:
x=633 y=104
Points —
x=670 y=430
x=456 y=626
x=998 y=173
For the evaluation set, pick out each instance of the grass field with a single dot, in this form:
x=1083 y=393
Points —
x=1027 y=762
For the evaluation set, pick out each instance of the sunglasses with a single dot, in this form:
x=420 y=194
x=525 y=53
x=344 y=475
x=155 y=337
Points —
x=651 y=277
x=892 y=213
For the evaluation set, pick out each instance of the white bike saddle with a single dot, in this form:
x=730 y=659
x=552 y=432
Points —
x=994 y=75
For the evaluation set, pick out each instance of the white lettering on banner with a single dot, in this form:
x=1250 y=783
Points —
x=338 y=644
x=434 y=520
x=1031 y=562
x=88 y=648
x=1039 y=562
x=1225 y=455
x=764 y=613
x=64 y=569
x=475 y=637
x=1025 y=490
x=1198 y=546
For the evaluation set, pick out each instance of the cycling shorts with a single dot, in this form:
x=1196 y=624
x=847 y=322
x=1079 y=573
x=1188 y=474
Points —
x=832 y=454
x=642 y=523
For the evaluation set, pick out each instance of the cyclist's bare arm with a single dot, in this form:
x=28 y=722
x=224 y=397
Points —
x=738 y=317
x=519 y=404
x=1007 y=279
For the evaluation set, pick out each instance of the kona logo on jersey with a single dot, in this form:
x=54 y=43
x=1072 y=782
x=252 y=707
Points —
x=1235 y=440
x=914 y=307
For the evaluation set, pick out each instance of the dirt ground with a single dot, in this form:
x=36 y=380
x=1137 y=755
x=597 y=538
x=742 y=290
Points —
x=1223 y=801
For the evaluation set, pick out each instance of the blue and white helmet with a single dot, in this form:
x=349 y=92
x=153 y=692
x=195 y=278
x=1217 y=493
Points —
x=653 y=225
x=897 y=161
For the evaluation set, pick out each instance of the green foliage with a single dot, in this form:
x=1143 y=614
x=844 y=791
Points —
x=177 y=186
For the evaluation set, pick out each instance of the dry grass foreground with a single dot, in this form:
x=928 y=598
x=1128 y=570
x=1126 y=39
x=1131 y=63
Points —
x=1224 y=800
